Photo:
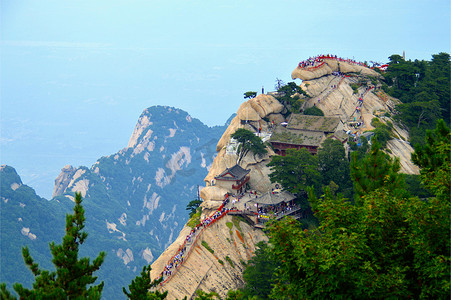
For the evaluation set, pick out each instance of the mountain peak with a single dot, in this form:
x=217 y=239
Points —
x=158 y=117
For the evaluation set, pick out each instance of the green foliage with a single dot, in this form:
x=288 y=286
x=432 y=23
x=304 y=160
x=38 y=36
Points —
x=248 y=142
x=192 y=206
x=250 y=95
x=72 y=275
x=205 y=244
x=220 y=261
x=289 y=96
x=313 y=111
x=227 y=258
x=415 y=187
x=333 y=166
x=359 y=252
x=434 y=160
x=295 y=171
x=259 y=273
x=4 y=293
x=424 y=90
x=195 y=219
x=430 y=219
x=201 y=295
x=361 y=150
x=355 y=88
x=375 y=170
x=382 y=131
x=230 y=225
x=141 y=285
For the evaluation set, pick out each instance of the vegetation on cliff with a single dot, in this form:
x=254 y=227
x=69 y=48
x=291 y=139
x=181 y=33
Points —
x=299 y=169
x=248 y=142
x=386 y=244
x=290 y=95
x=423 y=87
x=141 y=285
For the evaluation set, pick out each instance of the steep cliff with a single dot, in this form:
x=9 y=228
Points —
x=337 y=94
x=134 y=199
x=336 y=87
x=202 y=269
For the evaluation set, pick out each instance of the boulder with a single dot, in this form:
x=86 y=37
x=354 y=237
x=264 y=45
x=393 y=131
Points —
x=247 y=112
x=213 y=193
x=330 y=66
x=265 y=105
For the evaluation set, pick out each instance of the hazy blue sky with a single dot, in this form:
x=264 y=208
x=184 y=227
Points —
x=76 y=75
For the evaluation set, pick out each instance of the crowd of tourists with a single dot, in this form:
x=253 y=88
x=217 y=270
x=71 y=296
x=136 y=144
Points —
x=318 y=61
x=182 y=253
x=276 y=210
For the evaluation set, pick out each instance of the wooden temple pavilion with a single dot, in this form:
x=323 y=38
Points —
x=233 y=179
x=303 y=131
x=275 y=204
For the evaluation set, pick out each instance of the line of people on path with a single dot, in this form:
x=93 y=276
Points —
x=182 y=252
x=318 y=61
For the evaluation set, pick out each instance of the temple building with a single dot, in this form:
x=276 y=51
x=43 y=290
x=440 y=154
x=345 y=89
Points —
x=303 y=131
x=233 y=179
x=276 y=204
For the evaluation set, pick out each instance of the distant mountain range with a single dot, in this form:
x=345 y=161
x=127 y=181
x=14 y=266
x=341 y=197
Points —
x=135 y=200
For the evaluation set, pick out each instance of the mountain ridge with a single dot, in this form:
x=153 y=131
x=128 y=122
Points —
x=332 y=96
x=134 y=199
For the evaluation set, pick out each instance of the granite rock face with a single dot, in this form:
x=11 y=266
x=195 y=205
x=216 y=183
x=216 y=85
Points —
x=138 y=195
x=335 y=97
x=330 y=66
x=219 y=271
x=202 y=269
x=63 y=180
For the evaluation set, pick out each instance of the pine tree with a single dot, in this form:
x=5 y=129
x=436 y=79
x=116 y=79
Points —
x=295 y=171
x=73 y=277
x=375 y=170
x=248 y=142
x=434 y=159
x=141 y=285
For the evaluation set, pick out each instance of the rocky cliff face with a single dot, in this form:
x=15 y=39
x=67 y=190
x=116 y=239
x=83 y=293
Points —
x=335 y=96
x=135 y=200
x=201 y=269
x=146 y=186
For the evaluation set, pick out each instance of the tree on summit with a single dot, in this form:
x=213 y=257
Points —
x=250 y=95
x=289 y=96
x=192 y=206
x=73 y=277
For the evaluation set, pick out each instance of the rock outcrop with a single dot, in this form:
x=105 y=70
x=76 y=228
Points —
x=211 y=271
x=138 y=196
x=63 y=180
x=330 y=66
x=336 y=97
x=202 y=269
x=232 y=243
